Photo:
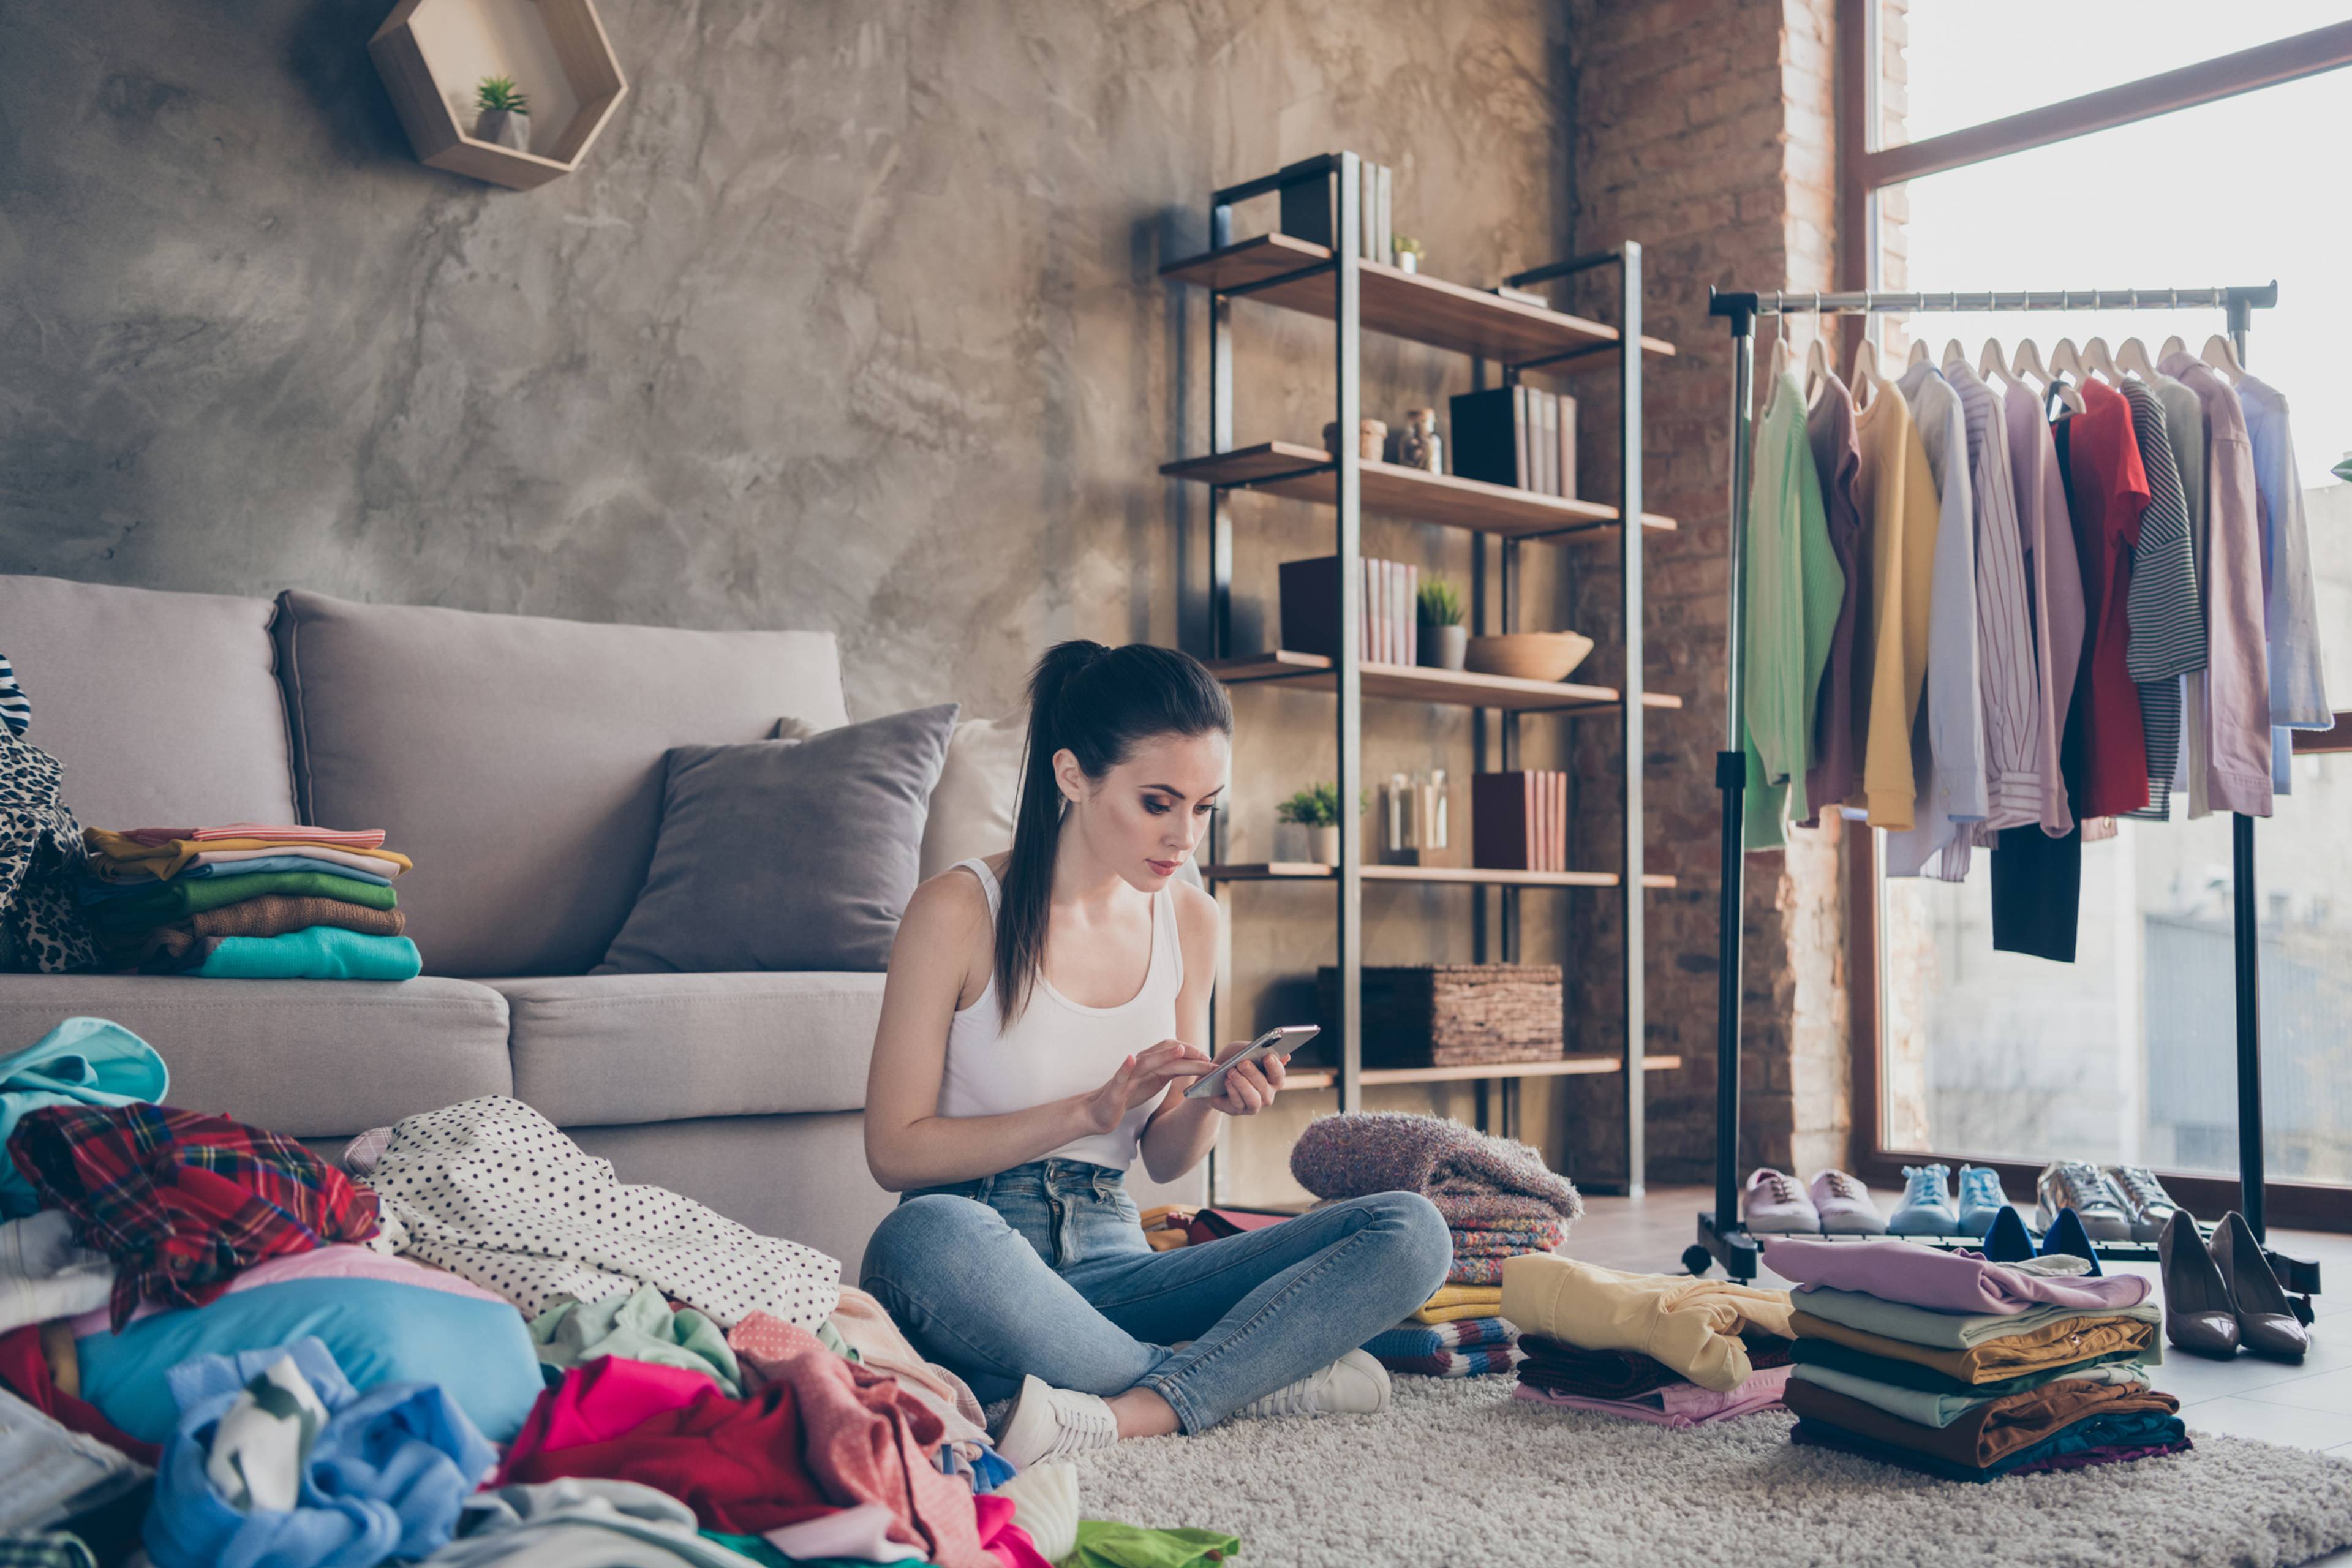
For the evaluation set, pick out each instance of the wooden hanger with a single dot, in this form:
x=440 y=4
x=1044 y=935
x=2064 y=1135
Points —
x=1952 y=351
x=1778 y=366
x=2097 y=360
x=2133 y=356
x=2027 y=362
x=2172 y=345
x=1866 y=371
x=2066 y=359
x=1992 y=363
x=1919 y=353
x=1817 y=364
x=2222 y=356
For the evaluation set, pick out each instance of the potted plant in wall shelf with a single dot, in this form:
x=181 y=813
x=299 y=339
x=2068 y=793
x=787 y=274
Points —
x=1407 y=252
x=1445 y=639
x=505 y=117
x=1317 y=810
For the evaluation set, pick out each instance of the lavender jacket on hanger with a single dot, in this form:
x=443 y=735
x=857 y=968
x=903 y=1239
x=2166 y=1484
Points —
x=2237 y=663
x=2055 y=578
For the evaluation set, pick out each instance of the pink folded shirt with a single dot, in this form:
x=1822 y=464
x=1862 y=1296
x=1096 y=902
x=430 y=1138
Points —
x=339 y=1260
x=1941 y=1282
x=1678 y=1404
x=290 y=833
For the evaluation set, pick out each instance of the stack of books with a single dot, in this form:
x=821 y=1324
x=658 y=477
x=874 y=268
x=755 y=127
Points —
x=1518 y=435
x=1388 y=626
x=1518 y=820
x=1308 y=213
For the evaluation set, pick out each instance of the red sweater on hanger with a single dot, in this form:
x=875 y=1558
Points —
x=2109 y=493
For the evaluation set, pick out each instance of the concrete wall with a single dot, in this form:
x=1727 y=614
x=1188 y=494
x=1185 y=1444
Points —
x=849 y=321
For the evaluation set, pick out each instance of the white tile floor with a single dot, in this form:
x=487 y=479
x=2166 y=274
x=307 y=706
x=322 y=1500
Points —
x=2307 y=1406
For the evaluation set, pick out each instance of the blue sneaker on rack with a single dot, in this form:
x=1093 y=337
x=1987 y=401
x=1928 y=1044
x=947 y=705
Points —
x=1927 y=1206
x=1980 y=1199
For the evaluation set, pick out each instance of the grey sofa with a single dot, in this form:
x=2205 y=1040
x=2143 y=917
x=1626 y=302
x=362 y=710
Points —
x=517 y=761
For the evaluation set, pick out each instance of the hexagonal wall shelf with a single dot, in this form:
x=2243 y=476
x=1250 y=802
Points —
x=432 y=54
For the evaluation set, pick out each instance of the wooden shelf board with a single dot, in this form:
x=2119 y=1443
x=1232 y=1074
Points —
x=1308 y=474
x=1481 y=876
x=1400 y=304
x=1562 y=1067
x=1418 y=683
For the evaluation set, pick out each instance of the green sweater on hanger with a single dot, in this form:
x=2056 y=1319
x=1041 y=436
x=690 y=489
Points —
x=1793 y=589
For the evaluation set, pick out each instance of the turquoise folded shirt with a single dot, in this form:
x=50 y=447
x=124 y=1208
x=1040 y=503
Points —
x=314 y=952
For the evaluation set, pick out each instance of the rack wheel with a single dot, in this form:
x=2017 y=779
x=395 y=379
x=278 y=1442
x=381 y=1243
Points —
x=1698 y=1261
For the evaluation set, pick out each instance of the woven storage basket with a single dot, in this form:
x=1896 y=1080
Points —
x=1454 y=1015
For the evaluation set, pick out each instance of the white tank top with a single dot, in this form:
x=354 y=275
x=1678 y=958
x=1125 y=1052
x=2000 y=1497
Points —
x=1056 y=1047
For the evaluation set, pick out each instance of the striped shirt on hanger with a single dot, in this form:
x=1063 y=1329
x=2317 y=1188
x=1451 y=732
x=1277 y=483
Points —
x=2167 y=626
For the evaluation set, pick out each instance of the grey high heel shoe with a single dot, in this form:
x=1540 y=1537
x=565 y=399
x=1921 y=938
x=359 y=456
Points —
x=2267 y=1321
x=2197 y=1314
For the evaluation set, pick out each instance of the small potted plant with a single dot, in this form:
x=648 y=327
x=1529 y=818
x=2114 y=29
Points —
x=1445 y=640
x=505 y=117
x=1407 y=252
x=1316 y=809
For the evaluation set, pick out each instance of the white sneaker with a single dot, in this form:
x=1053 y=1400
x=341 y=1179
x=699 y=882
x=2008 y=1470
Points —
x=1049 y=1423
x=1355 y=1384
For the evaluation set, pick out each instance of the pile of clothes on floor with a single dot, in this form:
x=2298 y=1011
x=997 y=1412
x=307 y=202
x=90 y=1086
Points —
x=1952 y=1364
x=1669 y=1350
x=1499 y=1199
x=465 y=1342
x=247 y=900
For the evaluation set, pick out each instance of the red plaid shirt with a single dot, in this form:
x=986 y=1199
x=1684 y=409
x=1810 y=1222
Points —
x=180 y=1201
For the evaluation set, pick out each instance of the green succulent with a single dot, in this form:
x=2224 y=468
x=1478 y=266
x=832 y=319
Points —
x=500 y=92
x=1318 y=806
x=1440 y=605
x=1405 y=245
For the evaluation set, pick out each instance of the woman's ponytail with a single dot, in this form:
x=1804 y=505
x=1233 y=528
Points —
x=1095 y=702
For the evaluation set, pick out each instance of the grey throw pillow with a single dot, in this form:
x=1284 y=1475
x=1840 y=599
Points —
x=793 y=854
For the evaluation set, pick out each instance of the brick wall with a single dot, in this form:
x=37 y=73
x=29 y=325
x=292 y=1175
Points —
x=1705 y=130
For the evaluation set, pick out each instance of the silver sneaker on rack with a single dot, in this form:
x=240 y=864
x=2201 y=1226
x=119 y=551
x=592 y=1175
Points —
x=2146 y=1203
x=2082 y=1186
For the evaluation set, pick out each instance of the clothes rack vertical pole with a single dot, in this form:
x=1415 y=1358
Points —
x=2246 y=944
x=1731 y=779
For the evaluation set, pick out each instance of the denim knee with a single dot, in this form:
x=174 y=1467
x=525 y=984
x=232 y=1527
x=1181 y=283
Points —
x=922 y=1237
x=1420 y=1246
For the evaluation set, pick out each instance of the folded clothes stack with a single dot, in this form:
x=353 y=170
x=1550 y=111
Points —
x=1669 y=1350
x=1464 y=1347
x=1950 y=1364
x=248 y=901
x=1498 y=1197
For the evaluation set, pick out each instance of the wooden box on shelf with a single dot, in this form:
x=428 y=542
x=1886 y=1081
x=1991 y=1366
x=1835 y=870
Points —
x=433 y=54
x=1454 y=1014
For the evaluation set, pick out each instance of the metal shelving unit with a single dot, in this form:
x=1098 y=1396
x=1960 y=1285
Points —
x=1357 y=295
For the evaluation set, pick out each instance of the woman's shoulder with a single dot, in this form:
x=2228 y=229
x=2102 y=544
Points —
x=953 y=899
x=1196 y=914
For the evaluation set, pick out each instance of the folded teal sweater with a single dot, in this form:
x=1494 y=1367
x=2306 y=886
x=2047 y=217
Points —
x=318 y=952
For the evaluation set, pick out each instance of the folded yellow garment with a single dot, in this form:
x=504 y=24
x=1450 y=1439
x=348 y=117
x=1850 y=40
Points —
x=1691 y=1325
x=2062 y=1343
x=167 y=859
x=1453 y=1302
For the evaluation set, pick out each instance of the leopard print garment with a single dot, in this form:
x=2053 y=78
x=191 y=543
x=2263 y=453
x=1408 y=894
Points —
x=41 y=857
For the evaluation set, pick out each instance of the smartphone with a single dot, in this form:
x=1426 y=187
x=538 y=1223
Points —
x=1278 y=1042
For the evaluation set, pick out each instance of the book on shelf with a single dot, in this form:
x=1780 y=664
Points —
x=1387 y=597
x=1548 y=442
x=1494 y=437
x=1307 y=207
x=1518 y=820
x=1567 y=449
x=1383 y=230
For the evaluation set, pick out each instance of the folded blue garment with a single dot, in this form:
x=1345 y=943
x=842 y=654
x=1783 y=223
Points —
x=94 y=891
x=380 y=1330
x=82 y=1061
x=314 y=952
x=385 y=1476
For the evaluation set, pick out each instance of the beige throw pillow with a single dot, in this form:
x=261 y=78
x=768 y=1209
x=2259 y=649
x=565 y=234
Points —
x=972 y=803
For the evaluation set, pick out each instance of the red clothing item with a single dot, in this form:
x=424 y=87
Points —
x=601 y=1400
x=2109 y=493
x=824 y=1433
x=1006 y=1541
x=25 y=1371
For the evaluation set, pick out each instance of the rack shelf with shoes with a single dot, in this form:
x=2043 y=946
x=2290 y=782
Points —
x=1511 y=337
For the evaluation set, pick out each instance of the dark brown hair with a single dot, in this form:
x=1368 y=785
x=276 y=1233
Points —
x=1096 y=702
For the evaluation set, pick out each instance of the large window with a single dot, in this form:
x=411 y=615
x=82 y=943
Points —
x=2130 y=1052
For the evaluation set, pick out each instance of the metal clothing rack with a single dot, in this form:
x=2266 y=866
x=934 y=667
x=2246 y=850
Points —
x=1722 y=1236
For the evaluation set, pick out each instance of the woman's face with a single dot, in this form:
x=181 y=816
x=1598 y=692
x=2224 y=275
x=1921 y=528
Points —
x=1145 y=816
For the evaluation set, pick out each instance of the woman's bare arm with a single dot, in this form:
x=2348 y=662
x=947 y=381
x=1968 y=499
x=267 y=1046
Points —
x=1181 y=1132
x=907 y=1144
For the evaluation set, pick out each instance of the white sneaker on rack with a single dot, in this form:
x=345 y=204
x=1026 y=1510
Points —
x=1355 y=1384
x=1049 y=1423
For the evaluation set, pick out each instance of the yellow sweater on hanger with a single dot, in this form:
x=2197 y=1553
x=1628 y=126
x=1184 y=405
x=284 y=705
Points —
x=1691 y=1325
x=1896 y=496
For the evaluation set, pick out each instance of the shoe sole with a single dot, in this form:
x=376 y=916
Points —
x=1923 y=1225
x=1852 y=1225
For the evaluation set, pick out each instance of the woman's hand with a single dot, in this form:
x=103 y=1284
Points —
x=1140 y=1077
x=1249 y=1088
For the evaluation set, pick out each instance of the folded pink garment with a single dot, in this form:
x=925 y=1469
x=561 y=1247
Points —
x=337 y=1260
x=1920 y=1276
x=350 y=838
x=1680 y=1405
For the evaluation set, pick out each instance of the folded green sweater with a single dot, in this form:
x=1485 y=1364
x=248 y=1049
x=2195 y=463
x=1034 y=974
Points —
x=177 y=900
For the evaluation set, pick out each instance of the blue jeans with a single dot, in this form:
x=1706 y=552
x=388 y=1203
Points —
x=1044 y=1269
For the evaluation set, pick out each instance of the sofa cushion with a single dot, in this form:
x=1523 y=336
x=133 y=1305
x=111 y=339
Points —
x=980 y=787
x=604 y=1049
x=786 y=855
x=164 y=707
x=309 y=1059
x=519 y=760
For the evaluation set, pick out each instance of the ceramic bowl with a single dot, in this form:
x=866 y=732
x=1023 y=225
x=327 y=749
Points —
x=1529 y=656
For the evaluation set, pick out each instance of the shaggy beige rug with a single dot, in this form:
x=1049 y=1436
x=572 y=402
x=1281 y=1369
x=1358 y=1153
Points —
x=1457 y=1472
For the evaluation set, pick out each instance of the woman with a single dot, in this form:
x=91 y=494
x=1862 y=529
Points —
x=1021 y=1066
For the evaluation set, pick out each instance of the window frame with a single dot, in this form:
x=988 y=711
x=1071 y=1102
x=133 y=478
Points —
x=1864 y=169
